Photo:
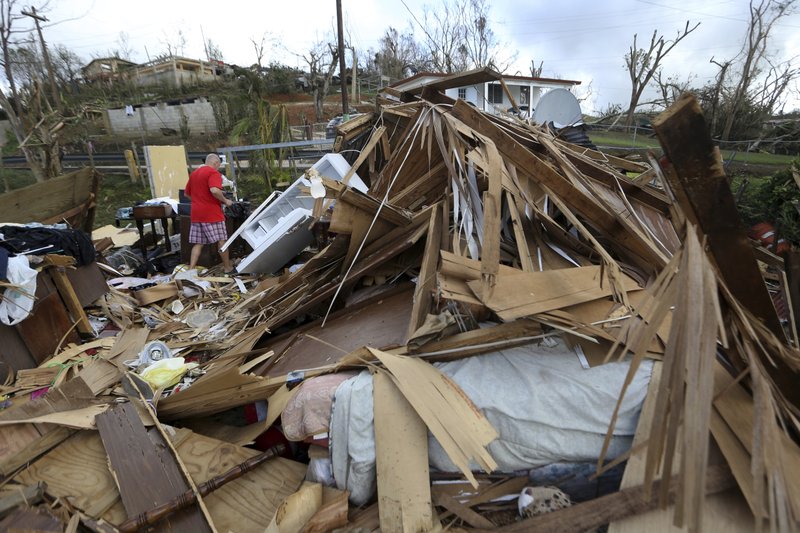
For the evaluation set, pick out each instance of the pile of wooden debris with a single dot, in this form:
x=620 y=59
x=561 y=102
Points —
x=478 y=236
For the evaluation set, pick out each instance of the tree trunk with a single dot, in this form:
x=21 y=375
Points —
x=36 y=167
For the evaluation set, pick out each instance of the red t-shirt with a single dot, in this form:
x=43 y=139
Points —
x=205 y=208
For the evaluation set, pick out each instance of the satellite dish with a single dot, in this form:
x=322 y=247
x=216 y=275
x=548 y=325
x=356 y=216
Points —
x=560 y=107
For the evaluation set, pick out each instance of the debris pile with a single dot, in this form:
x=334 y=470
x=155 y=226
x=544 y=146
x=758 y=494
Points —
x=494 y=318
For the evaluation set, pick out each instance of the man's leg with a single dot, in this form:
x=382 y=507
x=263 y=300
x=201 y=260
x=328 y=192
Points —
x=226 y=257
x=195 y=255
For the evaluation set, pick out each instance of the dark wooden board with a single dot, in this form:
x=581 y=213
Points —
x=45 y=327
x=145 y=470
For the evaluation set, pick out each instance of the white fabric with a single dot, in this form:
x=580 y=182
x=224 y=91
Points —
x=353 y=450
x=17 y=301
x=544 y=405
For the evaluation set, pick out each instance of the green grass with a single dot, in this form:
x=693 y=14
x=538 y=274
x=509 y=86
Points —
x=618 y=139
x=116 y=190
x=15 y=178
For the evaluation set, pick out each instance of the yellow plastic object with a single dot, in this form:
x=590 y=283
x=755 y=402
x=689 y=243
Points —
x=167 y=372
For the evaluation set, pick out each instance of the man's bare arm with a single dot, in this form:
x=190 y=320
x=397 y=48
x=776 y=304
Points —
x=219 y=195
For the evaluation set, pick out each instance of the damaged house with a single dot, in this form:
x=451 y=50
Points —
x=494 y=330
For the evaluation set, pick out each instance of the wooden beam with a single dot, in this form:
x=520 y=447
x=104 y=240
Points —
x=702 y=190
x=71 y=301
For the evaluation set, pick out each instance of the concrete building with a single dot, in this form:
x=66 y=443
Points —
x=107 y=70
x=177 y=72
x=160 y=117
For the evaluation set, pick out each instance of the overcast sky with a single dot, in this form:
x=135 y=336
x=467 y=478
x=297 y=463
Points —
x=578 y=40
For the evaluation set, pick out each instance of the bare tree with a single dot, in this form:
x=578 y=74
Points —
x=321 y=60
x=643 y=64
x=9 y=15
x=772 y=91
x=259 y=49
x=458 y=37
x=763 y=17
x=443 y=37
x=175 y=45
x=715 y=96
x=16 y=112
x=483 y=48
x=213 y=50
x=399 y=52
x=66 y=65
x=123 y=49
x=536 y=72
x=671 y=87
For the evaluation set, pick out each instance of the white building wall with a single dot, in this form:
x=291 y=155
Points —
x=150 y=119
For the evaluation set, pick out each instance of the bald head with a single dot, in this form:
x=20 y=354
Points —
x=213 y=160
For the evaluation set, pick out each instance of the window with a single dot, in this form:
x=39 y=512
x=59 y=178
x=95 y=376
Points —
x=462 y=93
x=495 y=94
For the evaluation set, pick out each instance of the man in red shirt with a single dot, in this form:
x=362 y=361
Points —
x=208 y=221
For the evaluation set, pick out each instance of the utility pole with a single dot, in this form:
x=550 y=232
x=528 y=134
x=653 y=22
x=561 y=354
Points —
x=342 y=72
x=38 y=18
x=354 y=86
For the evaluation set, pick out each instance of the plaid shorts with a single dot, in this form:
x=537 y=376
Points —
x=207 y=232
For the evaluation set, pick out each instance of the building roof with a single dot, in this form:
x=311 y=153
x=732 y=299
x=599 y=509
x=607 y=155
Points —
x=471 y=77
x=108 y=60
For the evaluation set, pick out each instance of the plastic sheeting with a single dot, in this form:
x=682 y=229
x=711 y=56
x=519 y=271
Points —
x=546 y=407
x=17 y=301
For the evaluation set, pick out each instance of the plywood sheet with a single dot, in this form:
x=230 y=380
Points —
x=530 y=293
x=401 y=453
x=167 y=168
x=41 y=201
x=381 y=322
x=77 y=470
x=246 y=504
x=121 y=236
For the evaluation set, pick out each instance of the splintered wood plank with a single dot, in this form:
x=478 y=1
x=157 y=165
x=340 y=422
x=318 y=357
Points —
x=524 y=252
x=76 y=470
x=427 y=272
x=455 y=422
x=146 y=473
x=532 y=167
x=492 y=203
x=401 y=456
x=127 y=345
x=71 y=300
x=702 y=190
x=248 y=503
x=530 y=293
x=723 y=512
